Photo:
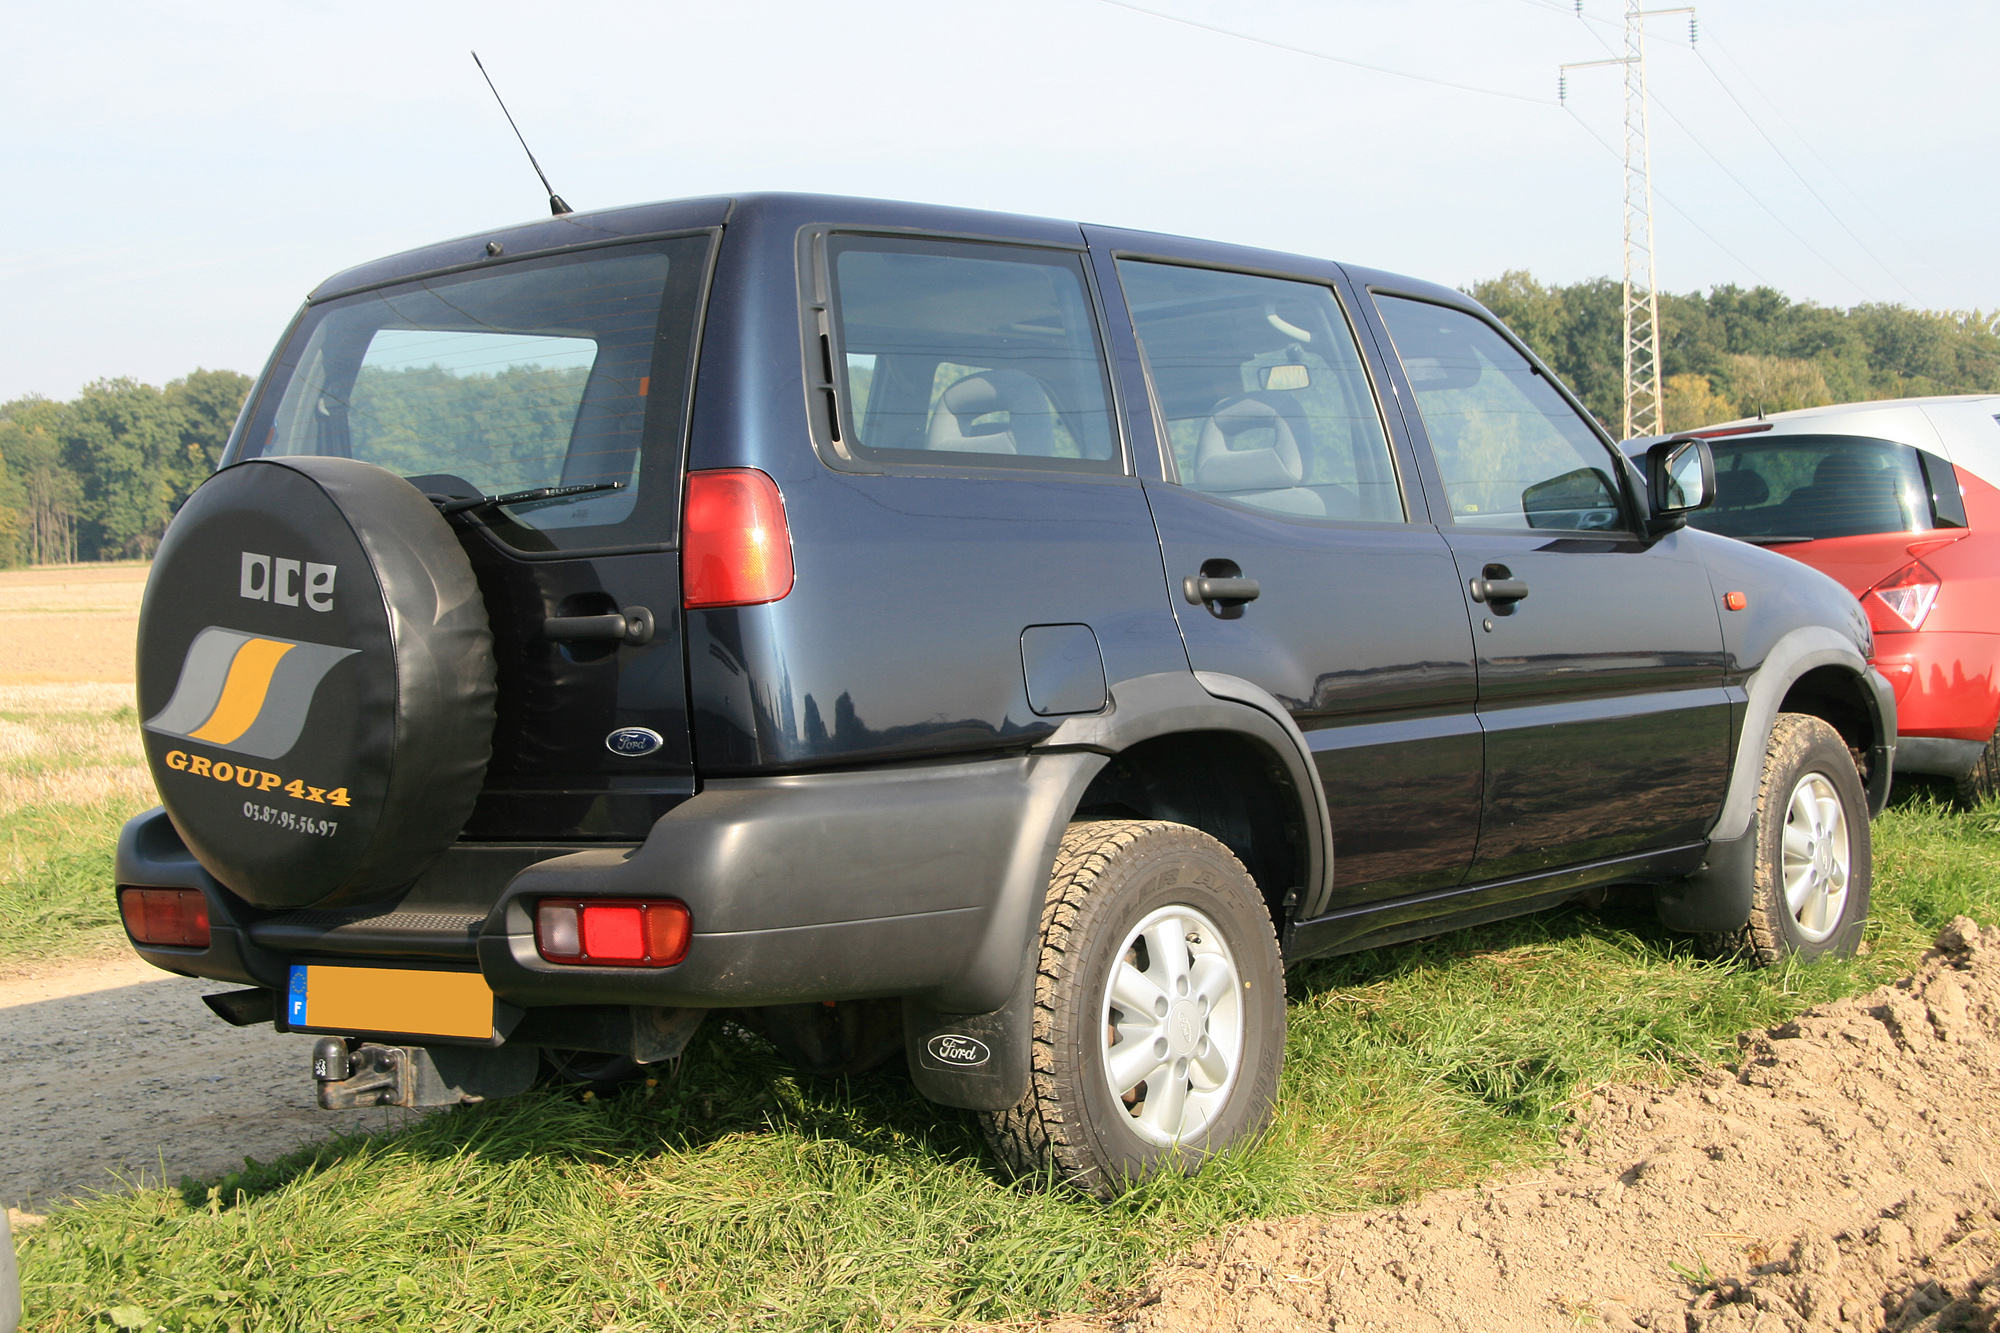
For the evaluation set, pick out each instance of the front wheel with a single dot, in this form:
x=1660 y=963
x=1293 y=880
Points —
x=1159 y=1010
x=1814 y=859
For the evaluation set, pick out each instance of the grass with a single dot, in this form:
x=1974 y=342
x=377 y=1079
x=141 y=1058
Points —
x=71 y=772
x=735 y=1194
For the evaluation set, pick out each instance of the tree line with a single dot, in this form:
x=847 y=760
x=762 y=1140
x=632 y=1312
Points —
x=1735 y=352
x=97 y=477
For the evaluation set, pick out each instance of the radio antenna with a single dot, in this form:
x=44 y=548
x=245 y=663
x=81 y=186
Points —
x=556 y=205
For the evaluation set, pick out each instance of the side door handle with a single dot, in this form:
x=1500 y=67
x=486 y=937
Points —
x=1200 y=589
x=1498 y=590
x=634 y=625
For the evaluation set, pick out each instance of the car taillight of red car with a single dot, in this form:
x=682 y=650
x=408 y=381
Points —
x=1906 y=595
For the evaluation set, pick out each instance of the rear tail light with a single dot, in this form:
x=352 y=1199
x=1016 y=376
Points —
x=735 y=547
x=613 y=932
x=177 y=918
x=1908 y=594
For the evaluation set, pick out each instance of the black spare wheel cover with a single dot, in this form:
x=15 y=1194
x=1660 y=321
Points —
x=315 y=680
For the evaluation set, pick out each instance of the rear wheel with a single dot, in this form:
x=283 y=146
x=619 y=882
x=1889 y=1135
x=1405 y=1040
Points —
x=1159 y=1010
x=1814 y=859
x=1982 y=784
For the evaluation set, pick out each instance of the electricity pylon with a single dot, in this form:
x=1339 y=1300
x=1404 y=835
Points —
x=1645 y=401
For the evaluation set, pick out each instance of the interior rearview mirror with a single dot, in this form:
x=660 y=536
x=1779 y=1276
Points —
x=1285 y=377
x=1680 y=478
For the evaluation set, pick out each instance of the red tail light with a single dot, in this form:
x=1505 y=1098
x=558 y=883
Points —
x=177 y=918
x=1908 y=594
x=735 y=547
x=613 y=932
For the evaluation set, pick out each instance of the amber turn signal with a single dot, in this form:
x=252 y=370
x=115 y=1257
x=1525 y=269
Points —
x=1735 y=601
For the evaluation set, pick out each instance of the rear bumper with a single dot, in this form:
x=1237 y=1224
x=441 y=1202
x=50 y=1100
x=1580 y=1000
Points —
x=791 y=895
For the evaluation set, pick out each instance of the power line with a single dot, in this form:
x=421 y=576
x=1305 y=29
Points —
x=1338 y=60
x=1842 y=222
x=1806 y=143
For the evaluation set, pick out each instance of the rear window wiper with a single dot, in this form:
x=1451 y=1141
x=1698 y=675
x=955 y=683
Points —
x=469 y=503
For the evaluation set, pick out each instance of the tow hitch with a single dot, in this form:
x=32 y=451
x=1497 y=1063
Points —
x=369 y=1074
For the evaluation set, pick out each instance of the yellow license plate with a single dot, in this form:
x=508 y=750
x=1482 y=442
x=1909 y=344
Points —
x=389 y=999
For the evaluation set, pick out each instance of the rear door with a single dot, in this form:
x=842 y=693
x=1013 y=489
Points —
x=1277 y=466
x=563 y=373
x=1601 y=690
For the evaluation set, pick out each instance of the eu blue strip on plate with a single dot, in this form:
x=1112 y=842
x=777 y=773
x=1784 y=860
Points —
x=295 y=999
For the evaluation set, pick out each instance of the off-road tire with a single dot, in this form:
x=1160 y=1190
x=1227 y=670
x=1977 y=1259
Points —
x=1109 y=876
x=1801 y=745
x=1982 y=783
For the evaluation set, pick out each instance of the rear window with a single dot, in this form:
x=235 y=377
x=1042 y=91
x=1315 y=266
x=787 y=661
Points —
x=1805 y=487
x=569 y=371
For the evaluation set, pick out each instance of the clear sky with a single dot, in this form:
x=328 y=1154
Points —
x=180 y=175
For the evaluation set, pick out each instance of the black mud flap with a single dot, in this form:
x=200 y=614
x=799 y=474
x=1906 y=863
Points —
x=981 y=1062
x=1717 y=897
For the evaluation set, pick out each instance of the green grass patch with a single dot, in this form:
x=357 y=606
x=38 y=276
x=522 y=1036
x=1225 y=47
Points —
x=68 y=780
x=736 y=1194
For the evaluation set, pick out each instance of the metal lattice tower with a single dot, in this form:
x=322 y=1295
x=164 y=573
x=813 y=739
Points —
x=1645 y=400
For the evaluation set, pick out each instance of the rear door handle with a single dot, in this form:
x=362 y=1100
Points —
x=1498 y=590
x=1200 y=589
x=633 y=625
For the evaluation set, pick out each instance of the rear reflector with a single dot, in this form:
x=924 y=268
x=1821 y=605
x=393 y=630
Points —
x=613 y=932
x=735 y=547
x=1909 y=593
x=177 y=918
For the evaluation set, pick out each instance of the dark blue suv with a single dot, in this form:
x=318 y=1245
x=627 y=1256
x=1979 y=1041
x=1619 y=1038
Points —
x=997 y=641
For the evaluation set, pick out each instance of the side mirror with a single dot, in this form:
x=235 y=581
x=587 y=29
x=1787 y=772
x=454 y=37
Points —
x=1680 y=478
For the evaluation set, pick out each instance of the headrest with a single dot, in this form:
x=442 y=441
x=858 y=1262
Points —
x=1029 y=427
x=1218 y=467
x=1740 y=490
x=1843 y=467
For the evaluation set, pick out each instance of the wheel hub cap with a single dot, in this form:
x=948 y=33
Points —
x=1815 y=856
x=1173 y=1024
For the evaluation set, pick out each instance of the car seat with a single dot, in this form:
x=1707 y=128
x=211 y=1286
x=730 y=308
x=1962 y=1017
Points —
x=1029 y=420
x=1266 y=476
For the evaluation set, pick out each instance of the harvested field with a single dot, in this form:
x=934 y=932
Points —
x=63 y=623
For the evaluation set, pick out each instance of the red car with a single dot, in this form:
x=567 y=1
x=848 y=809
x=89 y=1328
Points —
x=1898 y=501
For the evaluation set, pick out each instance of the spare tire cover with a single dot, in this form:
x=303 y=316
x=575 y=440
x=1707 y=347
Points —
x=315 y=680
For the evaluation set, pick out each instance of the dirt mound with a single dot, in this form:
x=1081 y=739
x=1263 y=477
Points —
x=1844 y=1175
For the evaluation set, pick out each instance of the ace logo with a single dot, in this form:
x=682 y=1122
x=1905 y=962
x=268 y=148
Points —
x=275 y=579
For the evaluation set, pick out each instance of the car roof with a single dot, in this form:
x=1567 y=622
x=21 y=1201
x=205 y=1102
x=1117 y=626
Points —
x=632 y=222
x=1964 y=428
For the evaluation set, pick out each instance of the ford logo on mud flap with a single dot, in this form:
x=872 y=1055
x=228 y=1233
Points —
x=634 y=741
x=949 y=1048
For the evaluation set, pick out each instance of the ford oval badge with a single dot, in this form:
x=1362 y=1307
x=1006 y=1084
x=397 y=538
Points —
x=956 y=1051
x=634 y=741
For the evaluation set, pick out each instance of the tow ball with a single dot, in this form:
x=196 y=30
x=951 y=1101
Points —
x=353 y=1074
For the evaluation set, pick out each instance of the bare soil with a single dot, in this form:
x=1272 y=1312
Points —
x=1843 y=1175
x=115 y=1074
x=70 y=623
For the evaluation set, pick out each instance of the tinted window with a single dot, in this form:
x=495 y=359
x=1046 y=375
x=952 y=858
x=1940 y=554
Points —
x=568 y=371
x=1809 y=486
x=1263 y=392
x=1510 y=449
x=983 y=354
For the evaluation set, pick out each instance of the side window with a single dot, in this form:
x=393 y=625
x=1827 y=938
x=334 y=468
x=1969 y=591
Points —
x=1263 y=390
x=1511 y=451
x=984 y=354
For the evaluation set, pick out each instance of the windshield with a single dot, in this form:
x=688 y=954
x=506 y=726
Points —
x=569 y=371
x=1806 y=487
